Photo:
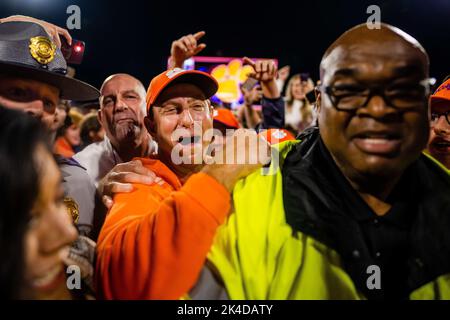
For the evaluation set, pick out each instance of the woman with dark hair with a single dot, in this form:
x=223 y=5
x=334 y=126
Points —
x=91 y=130
x=35 y=229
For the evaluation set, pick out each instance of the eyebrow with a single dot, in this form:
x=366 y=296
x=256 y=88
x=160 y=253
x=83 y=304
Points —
x=175 y=103
x=124 y=92
x=346 y=72
x=169 y=103
x=130 y=91
x=408 y=70
x=403 y=71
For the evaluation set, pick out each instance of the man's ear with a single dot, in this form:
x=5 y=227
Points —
x=150 y=125
x=318 y=99
x=99 y=116
x=211 y=108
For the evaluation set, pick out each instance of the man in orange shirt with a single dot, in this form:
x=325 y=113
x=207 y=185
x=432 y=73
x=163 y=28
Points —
x=155 y=239
x=439 y=142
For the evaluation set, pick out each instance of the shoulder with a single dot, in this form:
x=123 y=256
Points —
x=76 y=177
x=71 y=167
x=91 y=150
x=261 y=192
x=436 y=165
x=145 y=196
x=279 y=153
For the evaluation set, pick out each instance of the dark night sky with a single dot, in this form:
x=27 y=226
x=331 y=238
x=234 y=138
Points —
x=135 y=36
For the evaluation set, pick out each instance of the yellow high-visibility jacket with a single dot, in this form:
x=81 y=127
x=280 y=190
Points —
x=257 y=254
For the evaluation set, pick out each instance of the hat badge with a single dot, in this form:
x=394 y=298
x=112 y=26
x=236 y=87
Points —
x=42 y=49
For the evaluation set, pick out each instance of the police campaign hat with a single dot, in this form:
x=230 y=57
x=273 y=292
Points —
x=26 y=51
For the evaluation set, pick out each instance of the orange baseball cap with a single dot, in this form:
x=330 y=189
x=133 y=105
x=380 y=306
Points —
x=442 y=93
x=226 y=117
x=203 y=80
x=274 y=136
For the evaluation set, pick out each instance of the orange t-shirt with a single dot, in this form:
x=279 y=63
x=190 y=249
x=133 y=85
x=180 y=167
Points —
x=155 y=239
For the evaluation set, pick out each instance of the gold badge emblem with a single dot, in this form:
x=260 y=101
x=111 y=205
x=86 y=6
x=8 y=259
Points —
x=42 y=49
x=72 y=209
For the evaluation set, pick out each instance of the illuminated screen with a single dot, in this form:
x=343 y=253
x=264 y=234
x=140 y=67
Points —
x=229 y=72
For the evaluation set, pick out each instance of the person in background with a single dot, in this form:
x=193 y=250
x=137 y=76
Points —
x=35 y=229
x=121 y=114
x=224 y=119
x=272 y=104
x=248 y=115
x=439 y=142
x=91 y=131
x=299 y=111
x=61 y=112
x=68 y=136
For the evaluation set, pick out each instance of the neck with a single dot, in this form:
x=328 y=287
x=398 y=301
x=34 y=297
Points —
x=127 y=151
x=375 y=193
x=183 y=172
x=374 y=190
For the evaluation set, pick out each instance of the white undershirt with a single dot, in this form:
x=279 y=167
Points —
x=293 y=116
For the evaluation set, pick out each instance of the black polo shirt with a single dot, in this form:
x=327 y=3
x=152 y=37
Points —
x=385 y=238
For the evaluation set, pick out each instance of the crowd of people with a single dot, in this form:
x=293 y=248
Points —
x=88 y=176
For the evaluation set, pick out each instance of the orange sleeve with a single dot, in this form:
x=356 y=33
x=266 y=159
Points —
x=154 y=241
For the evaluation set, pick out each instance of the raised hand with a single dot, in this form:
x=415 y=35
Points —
x=185 y=48
x=266 y=72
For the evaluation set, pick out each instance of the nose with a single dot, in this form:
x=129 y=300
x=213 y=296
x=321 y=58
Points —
x=441 y=127
x=120 y=104
x=377 y=108
x=186 y=119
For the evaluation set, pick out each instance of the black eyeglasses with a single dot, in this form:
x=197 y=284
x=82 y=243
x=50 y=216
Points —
x=403 y=96
x=436 y=116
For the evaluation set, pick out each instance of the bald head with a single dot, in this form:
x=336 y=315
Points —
x=125 y=83
x=372 y=104
x=372 y=43
x=122 y=110
x=125 y=77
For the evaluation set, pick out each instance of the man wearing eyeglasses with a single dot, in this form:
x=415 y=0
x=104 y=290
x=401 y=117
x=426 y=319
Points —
x=155 y=239
x=356 y=210
x=439 y=143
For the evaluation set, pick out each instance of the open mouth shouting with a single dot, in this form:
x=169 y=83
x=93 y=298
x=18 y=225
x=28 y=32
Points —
x=189 y=140
x=440 y=145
